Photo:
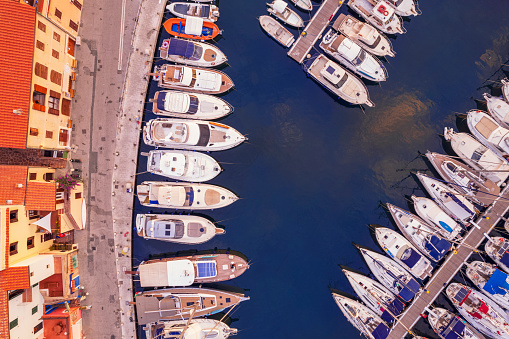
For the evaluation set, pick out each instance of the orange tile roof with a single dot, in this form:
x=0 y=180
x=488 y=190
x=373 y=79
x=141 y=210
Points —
x=17 y=34
x=14 y=278
x=10 y=177
x=41 y=196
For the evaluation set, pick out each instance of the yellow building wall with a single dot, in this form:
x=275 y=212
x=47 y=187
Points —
x=50 y=53
x=39 y=173
x=69 y=10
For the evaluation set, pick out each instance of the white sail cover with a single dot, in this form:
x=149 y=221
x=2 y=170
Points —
x=194 y=25
x=44 y=222
x=279 y=6
x=167 y=273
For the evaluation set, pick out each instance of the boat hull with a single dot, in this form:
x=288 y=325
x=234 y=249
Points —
x=176 y=27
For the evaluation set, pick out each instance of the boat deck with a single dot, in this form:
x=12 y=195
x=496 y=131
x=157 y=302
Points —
x=314 y=30
x=451 y=266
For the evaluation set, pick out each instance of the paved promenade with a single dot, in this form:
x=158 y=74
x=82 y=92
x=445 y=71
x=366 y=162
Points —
x=101 y=129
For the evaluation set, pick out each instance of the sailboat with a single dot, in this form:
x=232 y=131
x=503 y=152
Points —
x=189 y=329
x=449 y=326
x=498 y=108
x=505 y=89
x=491 y=281
x=488 y=131
x=498 y=250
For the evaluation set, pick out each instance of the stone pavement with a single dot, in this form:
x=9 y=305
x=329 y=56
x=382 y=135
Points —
x=106 y=46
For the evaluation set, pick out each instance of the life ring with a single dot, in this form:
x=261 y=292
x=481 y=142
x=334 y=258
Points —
x=212 y=63
x=386 y=13
x=165 y=44
x=382 y=9
x=476 y=276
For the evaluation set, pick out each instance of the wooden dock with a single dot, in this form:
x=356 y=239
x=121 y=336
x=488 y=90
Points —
x=314 y=30
x=453 y=263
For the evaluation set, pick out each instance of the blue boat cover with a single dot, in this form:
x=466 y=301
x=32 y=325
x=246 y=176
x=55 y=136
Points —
x=505 y=259
x=462 y=205
x=437 y=247
x=445 y=226
x=394 y=308
x=453 y=330
x=181 y=48
x=190 y=197
x=409 y=290
x=410 y=257
x=206 y=269
x=497 y=284
x=181 y=29
x=381 y=331
x=160 y=100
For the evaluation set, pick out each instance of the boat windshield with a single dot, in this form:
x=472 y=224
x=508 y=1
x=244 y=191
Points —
x=197 y=53
x=193 y=104
x=479 y=152
x=342 y=81
x=360 y=58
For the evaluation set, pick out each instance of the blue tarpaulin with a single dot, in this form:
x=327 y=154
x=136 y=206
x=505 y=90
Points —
x=410 y=257
x=437 y=247
x=409 y=289
x=505 y=259
x=181 y=47
x=394 y=308
x=381 y=331
x=497 y=284
x=453 y=330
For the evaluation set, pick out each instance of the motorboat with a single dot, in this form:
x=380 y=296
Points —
x=390 y=274
x=337 y=80
x=403 y=7
x=431 y=213
x=498 y=249
x=424 y=237
x=505 y=89
x=185 y=10
x=280 y=10
x=450 y=326
x=193 y=269
x=482 y=312
x=401 y=250
x=488 y=132
x=181 y=302
x=491 y=281
x=380 y=14
x=377 y=297
x=464 y=178
x=352 y=56
x=306 y=5
x=498 y=108
x=193 y=329
x=180 y=229
x=183 y=195
x=191 y=135
x=478 y=156
x=365 y=35
x=448 y=198
x=194 y=53
x=276 y=30
x=360 y=316
x=191 y=28
x=185 y=78
x=182 y=165
x=190 y=105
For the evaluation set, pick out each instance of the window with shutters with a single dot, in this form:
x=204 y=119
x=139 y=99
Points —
x=73 y=25
x=56 y=36
x=48 y=176
x=70 y=46
x=13 y=324
x=63 y=137
x=49 y=134
x=56 y=77
x=41 y=26
x=40 y=45
x=54 y=103
x=39 y=98
x=77 y=195
x=55 y=54
x=58 y=14
x=32 y=176
x=34 y=132
x=30 y=242
x=77 y=4
x=13 y=216
x=33 y=215
x=66 y=107
x=41 y=71
x=38 y=327
x=13 y=248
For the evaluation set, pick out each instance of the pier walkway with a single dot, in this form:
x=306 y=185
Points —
x=453 y=263
x=314 y=30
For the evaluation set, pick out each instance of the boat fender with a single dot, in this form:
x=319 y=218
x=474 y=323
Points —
x=212 y=63
x=386 y=13
x=165 y=44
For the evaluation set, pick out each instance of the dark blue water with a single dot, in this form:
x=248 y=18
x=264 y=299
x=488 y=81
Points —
x=315 y=169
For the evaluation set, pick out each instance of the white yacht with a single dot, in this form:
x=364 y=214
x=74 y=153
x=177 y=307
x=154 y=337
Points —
x=464 y=178
x=403 y=7
x=428 y=210
x=376 y=296
x=360 y=316
x=191 y=135
x=197 y=106
x=185 y=9
x=193 y=329
x=180 y=229
x=280 y=10
x=365 y=35
x=351 y=55
x=505 y=89
x=390 y=274
x=482 y=312
x=488 y=132
x=380 y=14
x=478 y=156
x=401 y=250
x=450 y=326
x=498 y=108
x=490 y=280
x=337 y=80
x=183 y=195
x=448 y=198
x=183 y=165
x=498 y=250
x=306 y=5
x=426 y=238
x=192 y=53
x=275 y=30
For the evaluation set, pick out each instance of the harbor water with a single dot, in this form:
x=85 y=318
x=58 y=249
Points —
x=316 y=170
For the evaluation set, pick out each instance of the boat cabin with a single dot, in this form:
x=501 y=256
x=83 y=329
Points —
x=171 y=195
x=182 y=48
x=383 y=12
x=334 y=74
x=171 y=229
x=177 y=102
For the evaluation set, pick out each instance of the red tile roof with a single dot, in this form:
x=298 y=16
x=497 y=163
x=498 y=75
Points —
x=41 y=196
x=14 y=278
x=17 y=34
x=11 y=176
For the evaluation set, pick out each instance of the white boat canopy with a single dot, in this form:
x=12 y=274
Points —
x=187 y=76
x=167 y=273
x=194 y=25
x=279 y=6
x=174 y=195
x=173 y=163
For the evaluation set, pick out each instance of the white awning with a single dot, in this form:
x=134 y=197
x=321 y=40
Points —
x=187 y=76
x=44 y=223
x=194 y=25
x=167 y=273
x=279 y=6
